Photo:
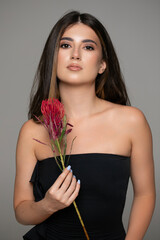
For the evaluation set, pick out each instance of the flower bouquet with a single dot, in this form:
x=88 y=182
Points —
x=54 y=120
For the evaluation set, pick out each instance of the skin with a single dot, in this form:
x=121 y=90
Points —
x=120 y=129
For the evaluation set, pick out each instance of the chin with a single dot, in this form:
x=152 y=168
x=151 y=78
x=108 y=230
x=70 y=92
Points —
x=75 y=79
x=70 y=79
x=72 y=82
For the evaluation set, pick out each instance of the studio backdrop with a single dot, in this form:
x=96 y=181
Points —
x=24 y=27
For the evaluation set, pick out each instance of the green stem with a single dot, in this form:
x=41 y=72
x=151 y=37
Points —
x=74 y=203
x=82 y=223
x=52 y=146
x=61 y=157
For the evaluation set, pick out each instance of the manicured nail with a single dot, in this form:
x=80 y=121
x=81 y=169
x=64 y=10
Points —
x=71 y=170
x=69 y=167
x=74 y=176
x=79 y=181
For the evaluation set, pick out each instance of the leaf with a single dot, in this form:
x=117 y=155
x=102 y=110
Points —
x=57 y=162
x=56 y=144
x=52 y=146
x=64 y=153
x=62 y=134
x=53 y=135
x=70 y=124
x=64 y=120
x=68 y=131
x=71 y=149
x=40 y=141
x=39 y=120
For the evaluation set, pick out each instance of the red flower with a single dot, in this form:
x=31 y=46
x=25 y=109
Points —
x=52 y=110
x=53 y=117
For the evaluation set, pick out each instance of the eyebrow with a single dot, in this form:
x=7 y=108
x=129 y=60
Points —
x=84 y=41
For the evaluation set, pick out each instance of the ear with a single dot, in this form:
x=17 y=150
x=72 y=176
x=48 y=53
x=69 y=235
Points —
x=103 y=66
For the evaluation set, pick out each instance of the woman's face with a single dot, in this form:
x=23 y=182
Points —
x=80 y=55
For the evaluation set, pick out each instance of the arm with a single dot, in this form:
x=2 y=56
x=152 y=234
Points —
x=61 y=194
x=142 y=176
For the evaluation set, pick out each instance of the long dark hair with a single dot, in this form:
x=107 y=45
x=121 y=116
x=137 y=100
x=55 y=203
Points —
x=109 y=85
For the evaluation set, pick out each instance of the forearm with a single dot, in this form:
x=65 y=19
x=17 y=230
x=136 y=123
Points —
x=31 y=213
x=140 y=217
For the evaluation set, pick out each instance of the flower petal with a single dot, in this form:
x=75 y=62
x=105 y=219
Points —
x=39 y=141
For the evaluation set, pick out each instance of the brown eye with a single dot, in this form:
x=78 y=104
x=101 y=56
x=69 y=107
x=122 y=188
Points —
x=65 y=45
x=90 y=48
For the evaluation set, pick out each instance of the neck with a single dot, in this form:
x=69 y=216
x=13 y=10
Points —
x=79 y=101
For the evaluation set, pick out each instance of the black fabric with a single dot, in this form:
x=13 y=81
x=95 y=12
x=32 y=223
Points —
x=104 y=180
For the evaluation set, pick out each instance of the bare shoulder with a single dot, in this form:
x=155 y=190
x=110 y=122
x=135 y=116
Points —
x=128 y=114
x=133 y=114
x=127 y=119
x=135 y=118
x=25 y=143
x=29 y=128
x=133 y=121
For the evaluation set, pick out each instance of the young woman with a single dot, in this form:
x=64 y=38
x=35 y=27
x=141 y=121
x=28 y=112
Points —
x=79 y=66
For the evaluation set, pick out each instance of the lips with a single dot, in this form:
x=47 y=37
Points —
x=74 y=67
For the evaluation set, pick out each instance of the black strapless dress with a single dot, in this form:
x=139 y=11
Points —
x=104 y=180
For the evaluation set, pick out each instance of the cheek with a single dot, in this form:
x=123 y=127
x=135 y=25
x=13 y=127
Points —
x=94 y=61
x=60 y=59
x=61 y=62
x=63 y=56
x=59 y=65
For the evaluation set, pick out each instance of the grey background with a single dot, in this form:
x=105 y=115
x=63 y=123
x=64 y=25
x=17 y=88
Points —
x=134 y=27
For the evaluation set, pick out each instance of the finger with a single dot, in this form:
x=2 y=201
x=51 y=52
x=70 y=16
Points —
x=71 y=188
x=66 y=183
x=61 y=178
x=75 y=193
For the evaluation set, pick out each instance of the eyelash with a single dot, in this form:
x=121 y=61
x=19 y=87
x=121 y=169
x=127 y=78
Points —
x=90 y=48
x=66 y=45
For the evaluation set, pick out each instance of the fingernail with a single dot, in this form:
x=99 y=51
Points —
x=74 y=176
x=79 y=181
x=69 y=167
x=71 y=170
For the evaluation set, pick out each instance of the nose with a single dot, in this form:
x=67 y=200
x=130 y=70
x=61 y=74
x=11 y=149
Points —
x=75 y=54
